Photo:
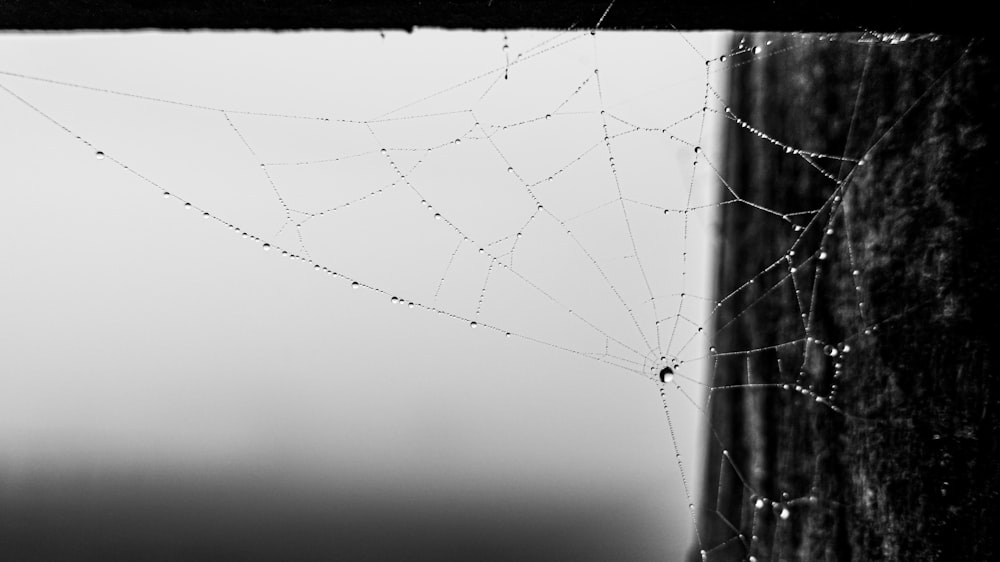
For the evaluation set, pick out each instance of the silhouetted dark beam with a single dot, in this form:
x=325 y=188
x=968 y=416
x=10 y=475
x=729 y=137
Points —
x=776 y=15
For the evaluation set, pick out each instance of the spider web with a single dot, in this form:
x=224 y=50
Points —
x=554 y=189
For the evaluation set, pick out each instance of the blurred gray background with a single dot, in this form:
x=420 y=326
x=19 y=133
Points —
x=171 y=390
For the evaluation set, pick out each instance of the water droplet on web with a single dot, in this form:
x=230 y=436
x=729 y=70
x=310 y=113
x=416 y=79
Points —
x=722 y=58
x=473 y=324
x=394 y=300
x=712 y=349
x=437 y=216
x=266 y=246
x=830 y=351
x=697 y=149
x=822 y=255
x=759 y=504
x=99 y=155
x=187 y=205
x=847 y=348
x=785 y=513
x=548 y=116
x=205 y=215
x=666 y=375
x=757 y=50
x=355 y=285
x=166 y=195
x=510 y=169
x=829 y=231
x=508 y=334
x=410 y=305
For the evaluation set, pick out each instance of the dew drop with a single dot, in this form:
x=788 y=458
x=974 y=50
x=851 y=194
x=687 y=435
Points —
x=166 y=195
x=410 y=305
x=757 y=50
x=473 y=324
x=666 y=375
x=712 y=349
x=847 y=348
x=722 y=58
x=830 y=351
x=508 y=334
x=548 y=116
x=266 y=246
x=187 y=205
x=99 y=155
x=785 y=513
x=759 y=504
x=822 y=255
x=437 y=216
x=510 y=169
x=697 y=149
x=518 y=234
x=205 y=215
x=355 y=285
x=829 y=231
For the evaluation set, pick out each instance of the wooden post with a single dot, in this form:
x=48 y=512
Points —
x=909 y=471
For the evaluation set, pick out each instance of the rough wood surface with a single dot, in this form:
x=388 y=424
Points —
x=911 y=472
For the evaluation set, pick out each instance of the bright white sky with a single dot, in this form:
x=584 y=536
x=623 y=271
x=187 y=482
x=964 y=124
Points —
x=137 y=334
